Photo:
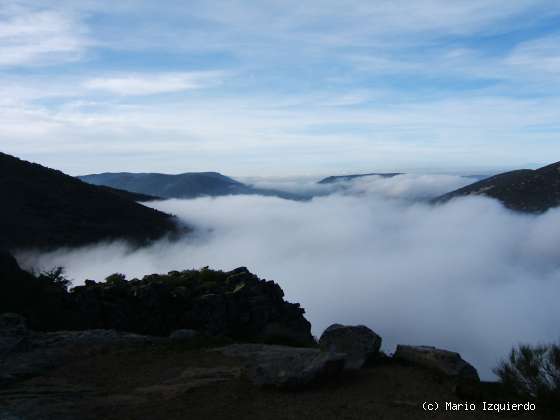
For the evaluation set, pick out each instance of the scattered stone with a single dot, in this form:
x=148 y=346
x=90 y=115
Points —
x=285 y=367
x=359 y=343
x=444 y=361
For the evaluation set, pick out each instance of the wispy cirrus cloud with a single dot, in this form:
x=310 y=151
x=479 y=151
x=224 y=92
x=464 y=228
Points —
x=280 y=86
x=31 y=37
x=275 y=135
x=541 y=55
x=149 y=84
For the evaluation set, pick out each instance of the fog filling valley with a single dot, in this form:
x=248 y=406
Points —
x=468 y=275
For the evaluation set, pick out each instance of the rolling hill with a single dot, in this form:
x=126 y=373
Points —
x=45 y=208
x=338 y=178
x=185 y=185
x=525 y=190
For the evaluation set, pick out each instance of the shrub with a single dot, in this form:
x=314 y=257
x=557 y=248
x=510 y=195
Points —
x=115 y=278
x=533 y=372
x=56 y=276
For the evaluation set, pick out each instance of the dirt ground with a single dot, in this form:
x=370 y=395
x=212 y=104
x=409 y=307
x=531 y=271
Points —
x=174 y=382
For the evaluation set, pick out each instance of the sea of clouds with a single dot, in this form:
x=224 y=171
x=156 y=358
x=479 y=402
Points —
x=467 y=275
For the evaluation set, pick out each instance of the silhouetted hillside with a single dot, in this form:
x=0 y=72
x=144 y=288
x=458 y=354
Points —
x=337 y=178
x=186 y=185
x=45 y=208
x=524 y=190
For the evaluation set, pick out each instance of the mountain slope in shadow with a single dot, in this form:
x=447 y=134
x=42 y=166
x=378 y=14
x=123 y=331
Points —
x=525 y=190
x=45 y=208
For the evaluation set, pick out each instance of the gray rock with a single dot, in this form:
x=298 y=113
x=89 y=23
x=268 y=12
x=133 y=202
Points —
x=189 y=379
x=13 y=333
x=359 y=343
x=444 y=361
x=285 y=367
x=182 y=335
x=37 y=351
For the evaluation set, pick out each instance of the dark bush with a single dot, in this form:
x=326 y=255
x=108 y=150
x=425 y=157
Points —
x=56 y=277
x=533 y=372
x=115 y=278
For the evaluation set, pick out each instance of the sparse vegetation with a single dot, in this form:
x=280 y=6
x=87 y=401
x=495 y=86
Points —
x=115 y=278
x=533 y=372
x=56 y=276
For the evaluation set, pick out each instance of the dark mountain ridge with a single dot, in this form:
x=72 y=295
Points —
x=337 y=178
x=185 y=185
x=46 y=208
x=525 y=190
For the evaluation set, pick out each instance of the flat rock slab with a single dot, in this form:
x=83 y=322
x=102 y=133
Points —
x=33 y=352
x=283 y=366
x=444 y=361
x=192 y=378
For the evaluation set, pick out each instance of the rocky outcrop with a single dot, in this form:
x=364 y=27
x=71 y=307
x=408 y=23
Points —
x=444 y=361
x=358 y=343
x=235 y=304
x=285 y=367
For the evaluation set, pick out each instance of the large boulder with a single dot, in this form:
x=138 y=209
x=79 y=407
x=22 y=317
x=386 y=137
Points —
x=359 y=343
x=285 y=367
x=444 y=361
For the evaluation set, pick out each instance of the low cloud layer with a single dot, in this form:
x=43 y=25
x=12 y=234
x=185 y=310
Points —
x=405 y=186
x=468 y=276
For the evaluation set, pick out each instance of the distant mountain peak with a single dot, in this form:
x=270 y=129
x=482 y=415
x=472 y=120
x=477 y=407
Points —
x=338 y=178
x=185 y=185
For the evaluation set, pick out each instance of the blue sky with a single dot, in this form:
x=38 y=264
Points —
x=280 y=87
